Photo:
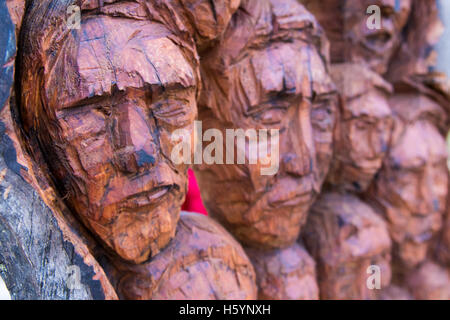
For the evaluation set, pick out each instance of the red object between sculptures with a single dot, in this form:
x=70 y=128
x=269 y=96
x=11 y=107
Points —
x=193 y=202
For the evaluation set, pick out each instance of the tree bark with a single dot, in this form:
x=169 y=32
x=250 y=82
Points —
x=42 y=255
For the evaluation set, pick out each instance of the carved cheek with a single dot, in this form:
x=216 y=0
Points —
x=95 y=154
x=87 y=146
x=358 y=141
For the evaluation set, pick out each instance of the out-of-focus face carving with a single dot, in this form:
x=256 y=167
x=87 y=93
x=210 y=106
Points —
x=345 y=236
x=412 y=186
x=364 y=129
x=429 y=281
x=374 y=46
x=276 y=84
x=346 y=25
x=109 y=145
x=202 y=262
x=285 y=274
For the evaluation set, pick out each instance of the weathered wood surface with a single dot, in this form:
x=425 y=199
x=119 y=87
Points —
x=345 y=236
x=202 y=262
x=258 y=77
x=429 y=281
x=41 y=257
x=363 y=131
x=285 y=274
x=345 y=23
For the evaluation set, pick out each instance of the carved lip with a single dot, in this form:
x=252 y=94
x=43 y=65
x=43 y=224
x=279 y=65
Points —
x=378 y=41
x=147 y=198
x=301 y=199
x=290 y=192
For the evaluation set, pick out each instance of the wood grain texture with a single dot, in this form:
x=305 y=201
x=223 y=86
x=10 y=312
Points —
x=202 y=262
x=258 y=77
x=363 y=132
x=394 y=292
x=429 y=282
x=99 y=106
x=345 y=23
x=411 y=188
x=285 y=274
x=39 y=249
x=345 y=236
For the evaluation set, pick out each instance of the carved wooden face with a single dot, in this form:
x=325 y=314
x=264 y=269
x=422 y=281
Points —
x=375 y=47
x=113 y=129
x=346 y=236
x=272 y=88
x=365 y=129
x=412 y=187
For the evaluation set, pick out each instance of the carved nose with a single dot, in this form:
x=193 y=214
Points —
x=133 y=143
x=297 y=165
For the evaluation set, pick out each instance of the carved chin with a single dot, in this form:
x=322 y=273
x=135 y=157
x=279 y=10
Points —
x=138 y=237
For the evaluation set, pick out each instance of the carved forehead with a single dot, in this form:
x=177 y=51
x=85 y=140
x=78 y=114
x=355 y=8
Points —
x=363 y=90
x=260 y=23
x=410 y=107
x=293 y=67
x=419 y=143
x=118 y=52
x=351 y=212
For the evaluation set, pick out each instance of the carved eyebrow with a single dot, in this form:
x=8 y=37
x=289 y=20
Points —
x=107 y=98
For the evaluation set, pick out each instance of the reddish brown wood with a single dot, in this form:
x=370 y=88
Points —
x=422 y=31
x=345 y=23
x=98 y=106
x=40 y=239
x=394 y=292
x=285 y=274
x=345 y=236
x=202 y=262
x=411 y=189
x=255 y=79
x=364 y=127
x=442 y=250
x=429 y=282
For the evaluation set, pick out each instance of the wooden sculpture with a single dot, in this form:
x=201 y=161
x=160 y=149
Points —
x=202 y=262
x=346 y=25
x=285 y=274
x=101 y=105
x=442 y=249
x=411 y=189
x=96 y=110
x=345 y=237
x=394 y=292
x=44 y=254
x=364 y=127
x=430 y=281
x=269 y=71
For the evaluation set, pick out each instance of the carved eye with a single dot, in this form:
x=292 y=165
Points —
x=173 y=112
x=104 y=110
x=272 y=116
x=362 y=125
x=322 y=118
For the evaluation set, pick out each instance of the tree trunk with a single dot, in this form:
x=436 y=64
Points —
x=42 y=254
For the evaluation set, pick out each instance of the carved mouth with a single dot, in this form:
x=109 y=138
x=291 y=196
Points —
x=147 y=199
x=378 y=41
x=291 y=193
x=297 y=200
